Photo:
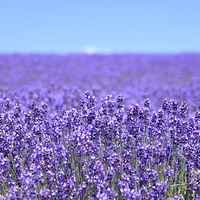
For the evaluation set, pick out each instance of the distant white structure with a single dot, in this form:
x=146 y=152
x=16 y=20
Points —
x=94 y=50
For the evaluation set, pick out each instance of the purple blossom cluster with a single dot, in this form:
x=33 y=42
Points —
x=59 y=142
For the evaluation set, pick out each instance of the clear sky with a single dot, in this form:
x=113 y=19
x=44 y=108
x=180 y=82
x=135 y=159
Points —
x=119 y=26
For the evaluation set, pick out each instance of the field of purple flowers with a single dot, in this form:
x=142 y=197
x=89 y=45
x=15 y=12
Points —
x=100 y=127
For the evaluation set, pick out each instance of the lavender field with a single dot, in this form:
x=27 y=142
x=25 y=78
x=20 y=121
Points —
x=102 y=127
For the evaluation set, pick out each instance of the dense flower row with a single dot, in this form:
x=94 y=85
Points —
x=110 y=152
x=59 y=142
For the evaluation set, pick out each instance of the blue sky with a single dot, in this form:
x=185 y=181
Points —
x=106 y=26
